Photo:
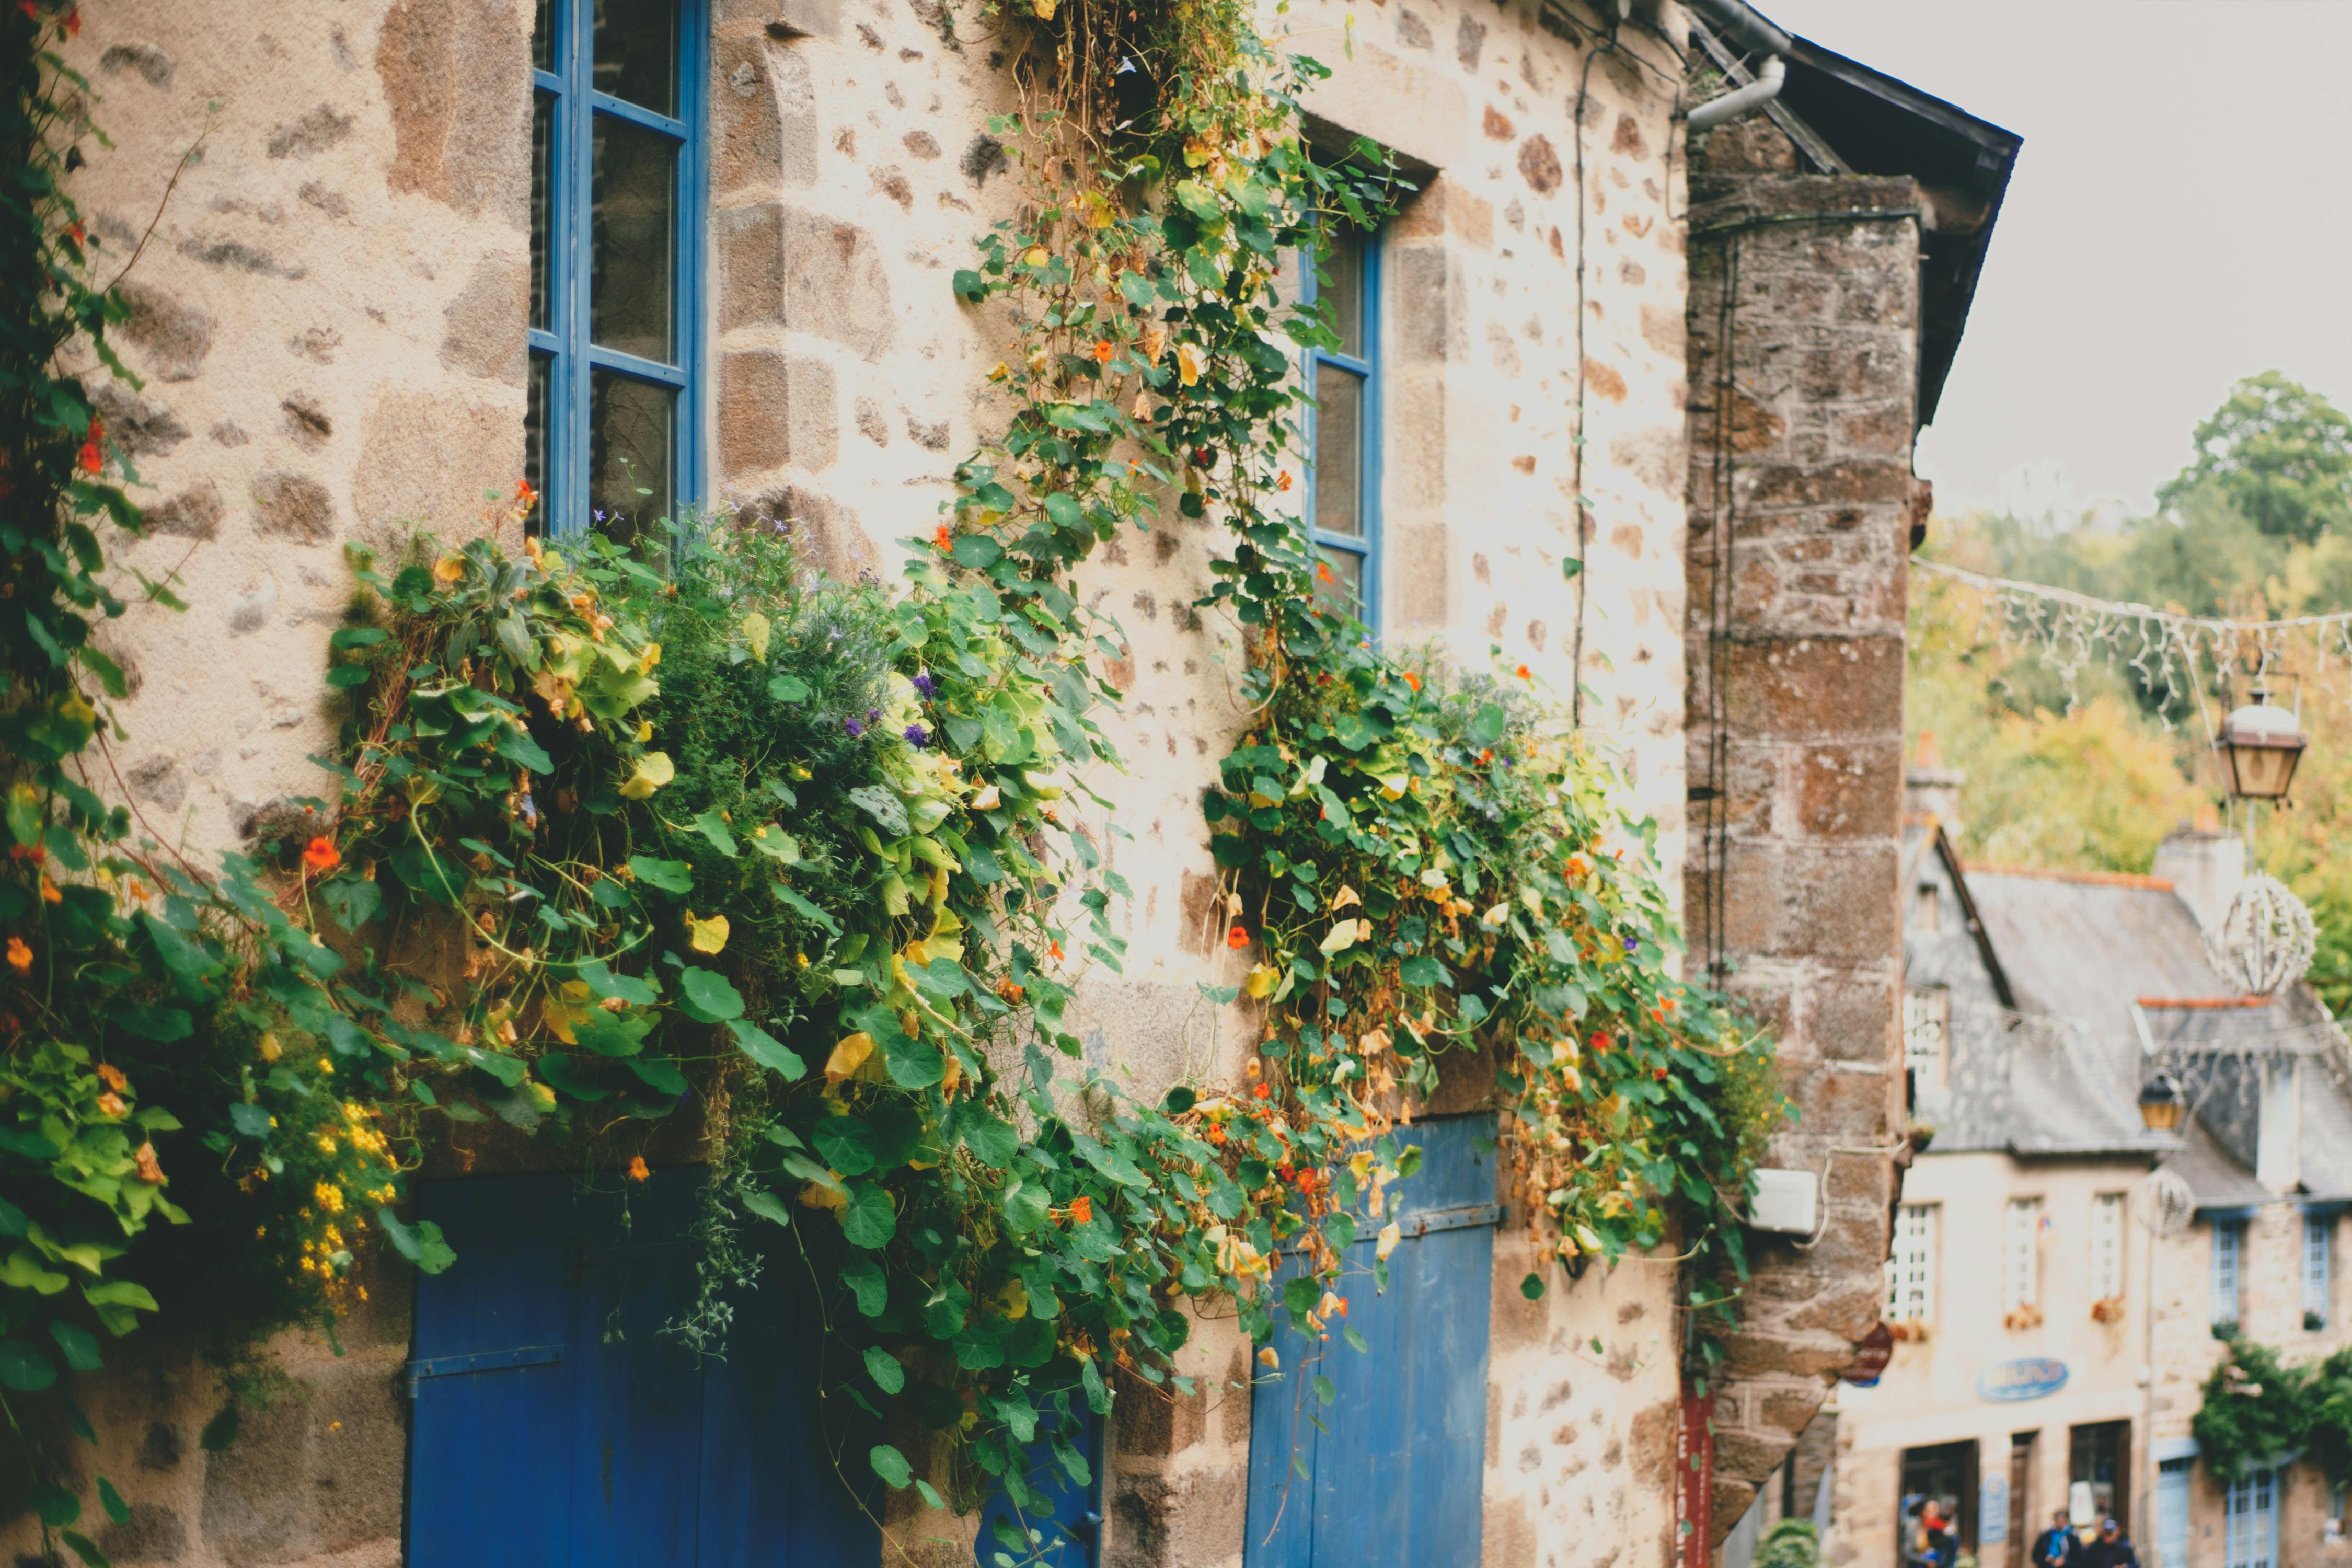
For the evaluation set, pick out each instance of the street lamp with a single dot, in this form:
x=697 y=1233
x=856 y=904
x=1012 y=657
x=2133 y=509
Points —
x=2261 y=742
x=2162 y=1103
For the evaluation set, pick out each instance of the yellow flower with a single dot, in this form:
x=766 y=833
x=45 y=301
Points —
x=448 y=569
x=1189 y=363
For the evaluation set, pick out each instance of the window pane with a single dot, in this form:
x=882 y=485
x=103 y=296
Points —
x=629 y=435
x=628 y=302
x=1339 y=451
x=636 y=52
x=1344 y=589
x=543 y=34
x=534 y=434
x=1344 y=294
x=542 y=212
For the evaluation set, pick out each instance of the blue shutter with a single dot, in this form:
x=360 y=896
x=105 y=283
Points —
x=557 y=1424
x=1391 y=1473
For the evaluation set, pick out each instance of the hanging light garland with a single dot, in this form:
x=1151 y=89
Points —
x=2267 y=938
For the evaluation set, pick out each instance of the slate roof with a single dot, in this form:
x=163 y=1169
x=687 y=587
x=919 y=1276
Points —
x=2103 y=968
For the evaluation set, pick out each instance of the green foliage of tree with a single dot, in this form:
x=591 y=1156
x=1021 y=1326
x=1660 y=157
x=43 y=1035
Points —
x=2280 y=453
x=2254 y=1407
x=1790 y=1543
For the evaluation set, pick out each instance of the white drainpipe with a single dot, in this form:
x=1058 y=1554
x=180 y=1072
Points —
x=1744 y=27
x=1741 y=101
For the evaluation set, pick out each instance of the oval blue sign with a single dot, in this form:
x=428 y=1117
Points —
x=2033 y=1377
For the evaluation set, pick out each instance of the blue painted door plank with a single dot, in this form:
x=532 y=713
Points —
x=619 y=1451
x=1071 y=1529
x=1395 y=1479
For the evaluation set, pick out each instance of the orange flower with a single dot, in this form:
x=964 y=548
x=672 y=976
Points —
x=73 y=23
x=1264 y=1091
x=1237 y=937
x=1485 y=756
x=1413 y=680
x=1524 y=673
x=1054 y=951
x=944 y=539
x=637 y=1171
x=321 y=856
x=151 y=1169
x=1323 y=573
x=1282 y=483
x=111 y=1075
x=524 y=493
x=109 y=1104
x=1216 y=1132
x=1082 y=1210
x=20 y=957
x=1103 y=351
x=49 y=894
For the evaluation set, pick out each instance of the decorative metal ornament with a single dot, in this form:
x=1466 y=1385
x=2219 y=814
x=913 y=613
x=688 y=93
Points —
x=2166 y=1202
x=2266 y=939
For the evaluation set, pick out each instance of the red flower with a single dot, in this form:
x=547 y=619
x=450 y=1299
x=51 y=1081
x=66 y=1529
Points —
x=92 y=459
x=29 y=9
x=1264 y=1091
x=73 y=23
x=1082 y=1210
x=321 y=856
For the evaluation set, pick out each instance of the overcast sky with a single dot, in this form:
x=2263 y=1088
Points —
x=2180 y=215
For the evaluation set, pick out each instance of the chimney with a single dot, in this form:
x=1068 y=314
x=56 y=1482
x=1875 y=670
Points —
x=2205 y=865
x=2278 y=1136
x=1931 y=789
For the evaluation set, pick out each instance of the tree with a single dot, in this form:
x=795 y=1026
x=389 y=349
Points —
x=2277 y=451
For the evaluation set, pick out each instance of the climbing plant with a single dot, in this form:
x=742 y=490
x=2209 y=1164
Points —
x=617 y=837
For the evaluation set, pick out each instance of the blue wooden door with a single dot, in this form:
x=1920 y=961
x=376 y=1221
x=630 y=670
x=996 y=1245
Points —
x=2172 y=1513
x=1390 y=1475
x=556 y=1424
x=1070 y=1534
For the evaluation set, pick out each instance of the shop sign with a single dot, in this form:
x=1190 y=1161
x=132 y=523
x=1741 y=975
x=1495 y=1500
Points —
x=2032 y=1377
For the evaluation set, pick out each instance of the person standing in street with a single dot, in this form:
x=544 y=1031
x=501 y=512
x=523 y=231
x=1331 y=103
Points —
x=2058 y=1546
x=2113 y=1549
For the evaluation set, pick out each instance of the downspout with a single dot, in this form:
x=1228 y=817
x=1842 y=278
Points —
x=1737 y=24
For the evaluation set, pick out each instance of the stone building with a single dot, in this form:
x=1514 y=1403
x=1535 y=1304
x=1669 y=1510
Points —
x=350 y=321
x=2062 y=1277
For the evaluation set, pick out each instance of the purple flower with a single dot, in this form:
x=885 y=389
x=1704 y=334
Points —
x=1632 y=945
x=873 y=715
x=925 y=684
x=853 y=727
x=918 y=736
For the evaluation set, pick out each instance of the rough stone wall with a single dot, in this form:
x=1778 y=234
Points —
x=331 y=317
x=1803 y=336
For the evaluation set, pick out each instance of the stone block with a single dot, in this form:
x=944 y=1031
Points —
x=1816 y=687
x=750 y=245
x=485 y=329
x=1445 y=207
x=171 y=338
x=1791 y=1409
x=1419 y=112
x=1423 y=304
x=428 y=458
x=1750 y=1355
x=835 y=284
x=775 y=409
x=746 y=121
x=1853 y=790
x=455 y=76
x=1849 y=481
x=1852 y=1019
x=293 y=506
x=1198 y=1517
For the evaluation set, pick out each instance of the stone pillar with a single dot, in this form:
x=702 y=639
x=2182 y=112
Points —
x=1804 y=329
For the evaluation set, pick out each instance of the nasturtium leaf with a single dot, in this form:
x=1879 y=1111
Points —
x=766 y=1049
x=24 y=1368
x=846 y=1142
x=421 y=1244
x=883 y=1369
x=866 y=1281
x=991 y=1141
x=79 y=1345
x=56 y=1506
x=162 y=1025
x=621 y=987
x=569 y=1077
x=768 y=1205
x=659 y=1074
x=713 y=828
x=788 y=689
x=867 y=1219
x=111 y=1501
x=707 y=997
x=891 y=1465
x=669 y=875
x=612 y=1034
x=1532 y=1287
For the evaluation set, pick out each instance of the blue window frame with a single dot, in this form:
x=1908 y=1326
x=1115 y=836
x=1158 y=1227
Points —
x=2228 y=1255
x=1343 y=429
x=2318 y=1264
x=618 y=181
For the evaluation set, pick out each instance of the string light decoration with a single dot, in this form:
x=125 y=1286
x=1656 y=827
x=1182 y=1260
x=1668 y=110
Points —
x=2177 y=657
x=2265 y=940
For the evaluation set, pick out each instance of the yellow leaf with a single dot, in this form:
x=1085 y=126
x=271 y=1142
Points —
x=448 y=569
x=1262 y=980
x=1339 y=938
x=1346 y=896
x=705 y=936
x=1389 y=1236
x=988 y=799
x=1495 y=915
x=1393 y=785
x=654 y=770
x=1268 y=1358
x=848 y=1057
x=825 y=1195
x=1014 y=1300
x=756 y=632
x=1189 y=363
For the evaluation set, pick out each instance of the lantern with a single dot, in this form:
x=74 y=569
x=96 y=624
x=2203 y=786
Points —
x=2162 y=1103
x=2261 y=742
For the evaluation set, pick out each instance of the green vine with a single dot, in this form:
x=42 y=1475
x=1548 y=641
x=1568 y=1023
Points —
x=695 y=832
